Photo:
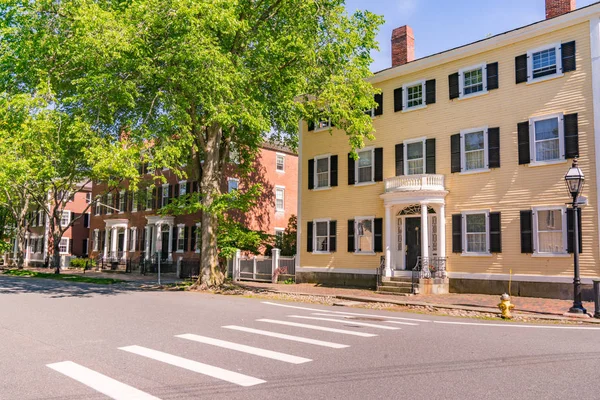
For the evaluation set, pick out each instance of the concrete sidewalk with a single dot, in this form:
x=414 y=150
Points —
x=530 y=306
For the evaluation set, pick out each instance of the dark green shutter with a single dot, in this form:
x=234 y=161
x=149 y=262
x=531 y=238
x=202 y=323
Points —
x=311 y=126
x=455 y=153
x=526 y=231
x=399 y=159
x=379 y=101
x=193 y=238
x=176 y=191
x=311 y=174
x=333 y=173
x=332 y=236
x=378 y=164
x=378 y=229
x=430 y=156
x=430 y=91
x=571 y=229
x=495 y=233
x=186 y=237
x=571 y=136
x=453 y=86
x=492 y=76
x=568 y=57
x=457 y=245
x=494 y=147
x=398 y=99
x=521 y=68
x=309 y=236
x=351 y=178
x=351 y=236
x=523 y=143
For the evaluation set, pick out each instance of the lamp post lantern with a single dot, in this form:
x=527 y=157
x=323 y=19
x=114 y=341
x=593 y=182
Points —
x=575 y=180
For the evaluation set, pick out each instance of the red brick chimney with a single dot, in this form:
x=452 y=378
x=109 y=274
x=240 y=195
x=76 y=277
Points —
x=556 y=8
x=403 y=45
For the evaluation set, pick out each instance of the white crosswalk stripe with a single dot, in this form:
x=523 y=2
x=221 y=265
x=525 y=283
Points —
x=100 y=383
x=287 y=337
x=390 y=328
x=350 y=318
x=195 y=366
x=274 y=355
x=316 y=327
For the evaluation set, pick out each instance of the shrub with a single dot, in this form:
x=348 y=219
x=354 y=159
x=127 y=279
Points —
x=83 y=263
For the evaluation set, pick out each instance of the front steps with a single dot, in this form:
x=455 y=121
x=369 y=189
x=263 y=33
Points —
x=396 y=285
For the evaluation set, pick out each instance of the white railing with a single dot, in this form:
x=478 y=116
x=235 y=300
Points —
x=414 y=182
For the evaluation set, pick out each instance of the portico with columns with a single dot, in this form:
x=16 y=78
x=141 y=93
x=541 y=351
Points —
x=116 y=240
x=155 y=228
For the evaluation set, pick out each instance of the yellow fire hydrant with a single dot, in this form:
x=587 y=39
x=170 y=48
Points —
x=505 y=306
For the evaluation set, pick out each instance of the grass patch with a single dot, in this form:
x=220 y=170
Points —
x=61 y=277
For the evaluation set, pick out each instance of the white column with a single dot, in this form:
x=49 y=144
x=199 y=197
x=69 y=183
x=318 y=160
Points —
x=275 y=264
x=106 y=237
x=27 y=248
x=148 y=238
x=388 y=240
x=170 y=245
x=125 y=235
x=424 y=233
x=114 y=238
x=442 y=231
x=158 y=237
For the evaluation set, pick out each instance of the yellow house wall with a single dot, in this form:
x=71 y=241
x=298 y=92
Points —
x=508 y=189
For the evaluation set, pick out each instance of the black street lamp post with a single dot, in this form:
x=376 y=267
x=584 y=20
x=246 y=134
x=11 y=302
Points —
x=575 y=180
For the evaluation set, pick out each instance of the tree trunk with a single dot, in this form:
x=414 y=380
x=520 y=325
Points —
x=56 y=256
x=21 y=247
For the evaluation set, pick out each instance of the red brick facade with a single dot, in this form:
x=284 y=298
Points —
x=403 y=45
x=556 y=8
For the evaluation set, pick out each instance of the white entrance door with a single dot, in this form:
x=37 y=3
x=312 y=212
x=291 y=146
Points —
x=399 y=243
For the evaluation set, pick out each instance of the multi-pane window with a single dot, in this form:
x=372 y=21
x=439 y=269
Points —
x=321 y=236
x=547 y=139
x=182 y=188
x=109 y=203
x=65 y=218
x=279 y=237
x=364 y=235
x=549 y=227
x=88 y=197
x=97 y=207
x=165 y=195
x=63 y=246
x=543 y=63
x=132 y=236
x=149 y=199
x=365 y=166
x=322 y=172
x=122 y=202
x=96 y=239
x=415 y=158
x=134 y=201
x=414 y=95
x=474 y=153
x=280 y=162
x=180 y=237
x=323 y=124
x=232 y=184
x=476 y=233
x=472 y=81
x=279 y=199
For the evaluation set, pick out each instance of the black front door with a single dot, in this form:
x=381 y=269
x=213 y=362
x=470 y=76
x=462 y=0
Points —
x=165 y=246
x=413 y=241
x=121 y=242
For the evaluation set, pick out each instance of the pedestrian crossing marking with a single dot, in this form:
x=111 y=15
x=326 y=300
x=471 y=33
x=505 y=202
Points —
x=195 y=366
x=349 y=318
x=287 y=337
x=317 y=328
x=100 y=383
x=274 y=355
x=390 y=328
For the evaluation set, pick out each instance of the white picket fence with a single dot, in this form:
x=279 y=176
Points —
x=261 y=268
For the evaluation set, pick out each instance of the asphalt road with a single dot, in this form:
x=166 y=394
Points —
x=71 y=341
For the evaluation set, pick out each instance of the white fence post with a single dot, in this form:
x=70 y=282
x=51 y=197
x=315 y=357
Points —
x=236 y=265
x=275 y=253
x=254 y=268
x=179 y=268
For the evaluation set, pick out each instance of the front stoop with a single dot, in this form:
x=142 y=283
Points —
x=396 y=285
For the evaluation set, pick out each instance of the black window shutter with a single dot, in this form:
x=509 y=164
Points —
x=521 y=68
x=333 y=173
x=159 y=191
x=398 y=99
x=379 y=164
x=492 y=76
x=568 y=56
x=494 y=147
x=174 y=239
x=86 y=220
x=571 y=136
x=311 y=174
x=400 y=159
x=116 y=201
x=351 y=179
x=430 y=91
x=188 y=187
x=351 y=235
x=332 y=236
x=430 y=156
x=523 y=141
x=527 y=231
x=378 y=229
x=194 y=187
x=571 y=230
x=311 y=126
x=171 y=193
x=457 y=233
x=186 y=237
x=309 y=236
x=495 y=233
x=455 y=153
x=193 y=237
x=454 y=87
x=176 y=191
x=379 y=101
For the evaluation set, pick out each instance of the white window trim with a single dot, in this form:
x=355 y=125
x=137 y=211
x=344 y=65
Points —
x=134 y=199
x=536 y=239
x=122 y=201
x=233 y=180
x=61 y=218
x=463 y=160
x=276 y=208
x=356 y=220
x=277 y=155
x=315 y=175
x=559 y=72
x=405 y=107
x=88 y=197
x=405 y=150
x=182 y=184
x=561 y=139
x=180 y=229
x=89 y=218
x=68 y=242
x=282 y=230
x=132 y=239
x=162 y=198
x=487 y=232
x=372 y=181
x=326 y=128
x=96 y=237
x=149 y=195
x=198 y=236
x=109 y=202
x=327 y=220
x=461 y=81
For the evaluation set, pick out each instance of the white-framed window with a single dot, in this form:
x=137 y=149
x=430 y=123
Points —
x=132 y=239
x=198 y=238
x=544 y=62
x=232 y=184
x=149 y=199
x=364 y=235
x=121 y=202
x=474 y=149
x=279 y=232
x=547 y=138
x=550 y=230
x=96 y=239
x=180 y=238
x=280 y=162
x=41 y=218
x=321 y=236
x=134 y=201
x=279 y=198
x=414 y=95
x=476 y=232
x=88 y=197
x=165 y=195
x=85 y=246
x=323 y=124
x=63 y=246
x=65 y=218
x=109 y=202
x=472 y=80
x=365 y=166
x=182 y=188
x=414 y=156
x=34 y=220
x=97 y=207
x=322 y=169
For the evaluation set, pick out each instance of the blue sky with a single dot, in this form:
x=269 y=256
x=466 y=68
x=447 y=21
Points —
x=443 y=24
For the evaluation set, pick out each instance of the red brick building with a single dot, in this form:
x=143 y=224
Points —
x=127 y=225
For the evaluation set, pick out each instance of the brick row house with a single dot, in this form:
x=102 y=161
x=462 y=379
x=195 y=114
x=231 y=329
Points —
x=127 y=225
x=467 y=167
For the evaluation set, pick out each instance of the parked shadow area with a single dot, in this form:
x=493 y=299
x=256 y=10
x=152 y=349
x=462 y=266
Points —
x=58 y=289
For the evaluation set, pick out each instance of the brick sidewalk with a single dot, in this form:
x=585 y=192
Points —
x=522 y=304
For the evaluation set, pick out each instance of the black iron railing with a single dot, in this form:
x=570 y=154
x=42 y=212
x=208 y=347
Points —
x=380 y=272
x=427 y=268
